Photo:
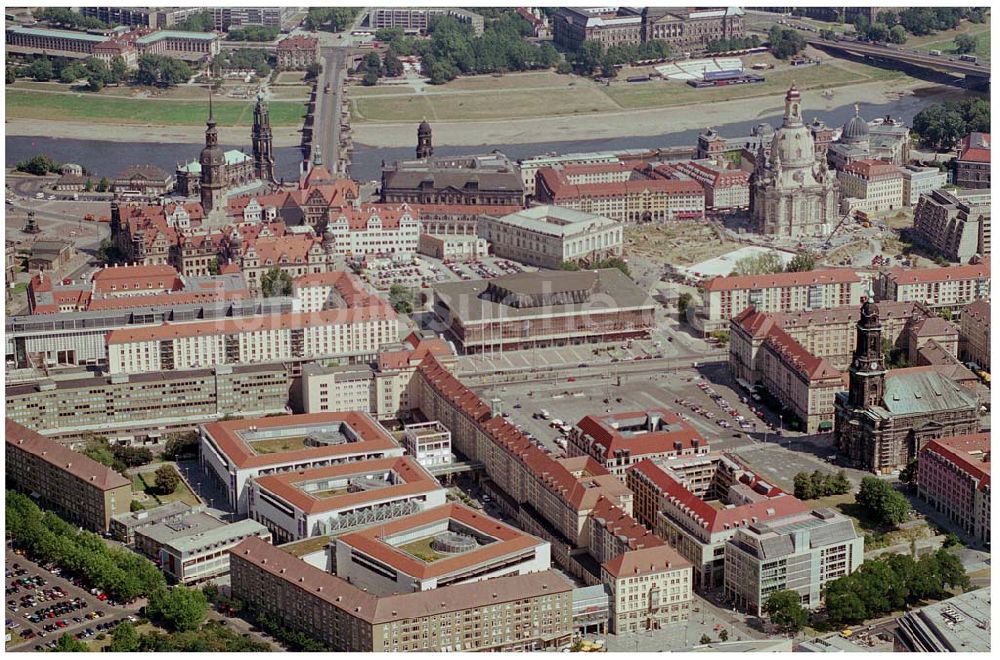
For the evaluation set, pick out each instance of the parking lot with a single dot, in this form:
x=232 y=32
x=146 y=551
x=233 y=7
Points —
x=422 y=272
x=43 y=604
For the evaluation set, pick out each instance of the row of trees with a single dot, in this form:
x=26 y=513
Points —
x=820 y=484
x=117 y=457
x=592 y=56
x=943 y=125
x=770 y=262
x=243 y=59
x=785 y=42
x=879 y=31
x=891 y=583
x=928 y=20
x=334 y=19
x=254 y=33
x=735 y=43
x=67 y=18
x=162 y=71
x=97 y=73
x=880 y=586
x=124 y=575
x=211 y=637
x=38 y=165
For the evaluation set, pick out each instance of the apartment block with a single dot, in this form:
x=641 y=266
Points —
x=83 y=490
x=417 y=19
x=952 y=288
x=919 y=181
x=725 y=297
x=955 y=224
x=537 y=608
x=871 y=185
x=620 y=440
x=953 y=475
x=696 y=504
x=548 y=236
x=726 y=188
x=975 y=333
x=330 y=500
x=236 y=451
x=801 y=553
x=143 y=408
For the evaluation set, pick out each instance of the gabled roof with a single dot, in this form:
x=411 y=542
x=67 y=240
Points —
x=646 y=561
x=969 y=452
x=975 y=148
x=676 y=436
x=80 y=466
x=779 y=280
x=901 y=276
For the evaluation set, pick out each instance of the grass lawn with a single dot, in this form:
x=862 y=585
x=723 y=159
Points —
x=526 y=80
x=287 y=77
x=675 y=92
x=30 y=104
x=144 y=482
x=496 y=104
x=305 y=546
x=947 y=45
x=289 y=93
x=422 y=550
x=279 y=444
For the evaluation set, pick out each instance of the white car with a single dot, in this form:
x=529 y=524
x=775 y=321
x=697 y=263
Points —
x=51 y=197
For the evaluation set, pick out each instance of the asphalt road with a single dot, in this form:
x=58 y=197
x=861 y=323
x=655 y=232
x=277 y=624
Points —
x=327 y=127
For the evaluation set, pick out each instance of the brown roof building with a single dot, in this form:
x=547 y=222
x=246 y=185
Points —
x=514 y=613
x=489 y=179
x=82 y=489
x=953 y=475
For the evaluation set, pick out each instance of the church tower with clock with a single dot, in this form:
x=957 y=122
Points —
x=867 y=371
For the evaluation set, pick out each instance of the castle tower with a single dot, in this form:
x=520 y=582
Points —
x=212 y=162
x=425 y=146
x=263 y=156
x=867 y=371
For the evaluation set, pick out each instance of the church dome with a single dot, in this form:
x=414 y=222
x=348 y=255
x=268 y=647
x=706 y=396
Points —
x=855 y=129
x=793 y=143
x=424 y=128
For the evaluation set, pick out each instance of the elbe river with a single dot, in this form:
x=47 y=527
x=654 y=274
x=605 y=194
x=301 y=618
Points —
x=109 y=158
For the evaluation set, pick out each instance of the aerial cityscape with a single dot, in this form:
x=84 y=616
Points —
x=436 y=329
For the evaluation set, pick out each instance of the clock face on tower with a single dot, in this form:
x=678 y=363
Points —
x=874 y=365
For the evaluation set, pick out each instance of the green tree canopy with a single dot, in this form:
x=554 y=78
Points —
x=179 y=607
x=276 y=282
x=966 y=43
x=882 y=502
x=401 y=298
x=785 y=610
x=166 y=479
x=801 y=262
x=66 y=644
x=785 y=42
x=124 y=638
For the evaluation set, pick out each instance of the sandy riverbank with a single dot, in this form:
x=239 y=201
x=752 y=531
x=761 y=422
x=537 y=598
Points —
x=654 y=121
x=283 y=137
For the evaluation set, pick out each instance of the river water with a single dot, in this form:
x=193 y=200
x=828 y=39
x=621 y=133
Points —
x=108 y=158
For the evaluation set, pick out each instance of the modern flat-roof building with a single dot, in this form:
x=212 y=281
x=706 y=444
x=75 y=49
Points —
x=956 y=224
x=124 y=526
x=238 y=450
x=951 y=288
x=204 y=555
x=958 y=624
x=620 y=440
x=150 y=539
x=974 y=335
x=553 y=308
x=417 y=19
x=537 y=607
x=801 y=553
x=438 y=547
x=82 y=489
x=918 y=181
x=698 y=503
x=144 y=407
x=548 y=236
x=340 y=497
x=725 y=297
x=428 y=442
x=953 y=475
x=230 y=17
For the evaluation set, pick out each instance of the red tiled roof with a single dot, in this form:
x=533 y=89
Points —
x=755 y=323
x=976 y=148
x=645 y=561
x=777 y=280
x=812 y=367
x=949 y=274
x=959 y=450
x=979 y=310
x=298 y=42
x=414 y=480
x=778 y=504
x=83 y=468
x=390 y=360
x=871 y=168
x=680 y=437
x=175 y=298
x=125 y=278
x=630 y=531
x=508 y=541
x=226 y=438
x=555 y=182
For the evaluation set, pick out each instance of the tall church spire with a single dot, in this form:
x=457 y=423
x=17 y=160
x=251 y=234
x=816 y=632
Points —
x=263 y=155
x=867 y=371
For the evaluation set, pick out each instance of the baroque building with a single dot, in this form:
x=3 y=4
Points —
x=792 y=193
x=886 y=418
